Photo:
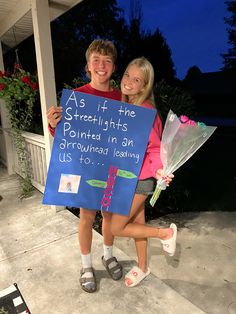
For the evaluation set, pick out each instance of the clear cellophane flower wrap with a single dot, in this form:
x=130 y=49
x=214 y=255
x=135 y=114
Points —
x=181 y=138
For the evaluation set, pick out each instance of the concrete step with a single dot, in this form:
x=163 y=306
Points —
x=40 y=252
x=205 y=242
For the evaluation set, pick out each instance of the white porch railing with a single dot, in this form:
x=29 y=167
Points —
x=35 y=147
x=3 y=156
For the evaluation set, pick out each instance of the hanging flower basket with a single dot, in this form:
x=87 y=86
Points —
x=20 y=90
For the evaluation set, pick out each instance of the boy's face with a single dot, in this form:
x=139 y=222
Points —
x=100 y=67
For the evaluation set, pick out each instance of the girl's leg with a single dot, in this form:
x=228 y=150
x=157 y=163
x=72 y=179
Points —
x=141 y=244
x=121 y=225
x=137 y=274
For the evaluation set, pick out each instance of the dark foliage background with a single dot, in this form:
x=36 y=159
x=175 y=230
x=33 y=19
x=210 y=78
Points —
x=208 y=181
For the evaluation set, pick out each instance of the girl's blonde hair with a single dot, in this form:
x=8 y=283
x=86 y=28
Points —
x=148 y=74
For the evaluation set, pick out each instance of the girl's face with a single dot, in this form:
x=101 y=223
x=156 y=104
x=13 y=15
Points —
x=101 y=68
x=132 y=82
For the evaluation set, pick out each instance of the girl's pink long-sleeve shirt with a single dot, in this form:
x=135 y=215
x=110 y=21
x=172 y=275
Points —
x=152 y=160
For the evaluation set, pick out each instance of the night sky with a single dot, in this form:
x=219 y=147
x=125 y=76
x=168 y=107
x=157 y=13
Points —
x=194 y=30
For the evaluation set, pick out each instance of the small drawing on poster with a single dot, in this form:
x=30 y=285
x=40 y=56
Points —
x=69 y=183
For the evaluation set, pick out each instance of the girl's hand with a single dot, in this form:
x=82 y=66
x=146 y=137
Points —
x=167 y=179
x=54 y=115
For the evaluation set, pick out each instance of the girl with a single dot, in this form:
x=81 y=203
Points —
x=136 y=87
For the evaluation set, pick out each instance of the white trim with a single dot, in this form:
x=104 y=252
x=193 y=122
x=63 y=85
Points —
x=17 y=12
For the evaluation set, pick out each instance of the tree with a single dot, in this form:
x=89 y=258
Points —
x=74 y=31
x=175 y=98
x=192 y=73
x=158 y=52
x=151 y=45
x=230 y=57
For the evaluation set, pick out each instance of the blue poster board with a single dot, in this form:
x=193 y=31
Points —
x=97 y=153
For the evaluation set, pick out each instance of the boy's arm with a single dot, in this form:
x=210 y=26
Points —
x=51 y=130
x=54 y=116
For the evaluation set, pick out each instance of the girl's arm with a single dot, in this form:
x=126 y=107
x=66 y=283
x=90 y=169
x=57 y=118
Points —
x=153 y=147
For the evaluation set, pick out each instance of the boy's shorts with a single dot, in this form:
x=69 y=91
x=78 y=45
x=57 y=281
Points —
x=145 y=187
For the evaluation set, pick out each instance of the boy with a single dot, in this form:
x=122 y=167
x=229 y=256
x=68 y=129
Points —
x=101 y=57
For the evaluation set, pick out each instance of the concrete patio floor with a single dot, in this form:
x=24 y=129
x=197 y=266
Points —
x=39 y=251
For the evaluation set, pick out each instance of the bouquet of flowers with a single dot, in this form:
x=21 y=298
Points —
x=181 y=138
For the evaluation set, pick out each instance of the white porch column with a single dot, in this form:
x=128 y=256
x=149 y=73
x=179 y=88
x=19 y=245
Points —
x=6 y=126
x=44 y=56
x=45 y=65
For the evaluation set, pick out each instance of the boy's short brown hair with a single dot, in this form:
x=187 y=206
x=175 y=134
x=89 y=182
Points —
x=103 y=47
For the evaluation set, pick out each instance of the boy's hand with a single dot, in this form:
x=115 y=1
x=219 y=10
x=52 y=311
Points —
x=168 y=179
x=54 y=115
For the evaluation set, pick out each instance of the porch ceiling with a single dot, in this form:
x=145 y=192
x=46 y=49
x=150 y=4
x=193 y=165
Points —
x=16 y=19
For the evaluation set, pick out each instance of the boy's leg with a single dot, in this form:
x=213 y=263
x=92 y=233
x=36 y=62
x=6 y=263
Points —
x=86 y=229
x=87 y=280
x=108 y=237
x=111 y=264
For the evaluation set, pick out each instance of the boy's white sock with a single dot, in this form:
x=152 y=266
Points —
x=108 y=254
x=107 y=251
x=86 y=262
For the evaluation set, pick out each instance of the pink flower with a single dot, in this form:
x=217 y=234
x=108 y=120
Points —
x=2 y=86
x=191 y=123
x=1 y=74
x=184 y=118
